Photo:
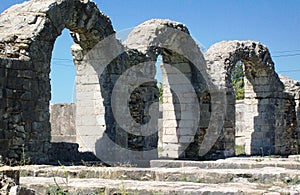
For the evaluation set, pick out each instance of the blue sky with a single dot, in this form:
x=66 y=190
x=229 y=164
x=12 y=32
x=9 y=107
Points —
x=275 y=23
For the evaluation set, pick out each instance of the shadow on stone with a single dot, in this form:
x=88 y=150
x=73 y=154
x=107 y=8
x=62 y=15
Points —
x=67 y=153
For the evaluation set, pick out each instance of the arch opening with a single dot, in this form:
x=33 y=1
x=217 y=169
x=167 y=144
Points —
x=62 y=81
x=268 y=119
x=62 y=75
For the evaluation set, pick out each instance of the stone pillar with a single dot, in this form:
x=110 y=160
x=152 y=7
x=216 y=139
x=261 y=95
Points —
x=180 y=103
x=240 y=123
x=90 y=122
x=253 y=143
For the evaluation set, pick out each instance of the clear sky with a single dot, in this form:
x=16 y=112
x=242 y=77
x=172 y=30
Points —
x=275 y=23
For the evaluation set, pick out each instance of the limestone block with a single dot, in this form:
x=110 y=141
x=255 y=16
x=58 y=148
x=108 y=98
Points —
x=170 y=123
x=170 y=139
x=170 y=131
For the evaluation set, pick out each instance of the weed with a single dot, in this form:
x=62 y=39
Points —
x=56 y=191
x=292 y=181
x=160 y=149
x=157 y=193
x=125 y=164
x=240 y=150
x=262 y=151
x=121 y=191
x=87 y=164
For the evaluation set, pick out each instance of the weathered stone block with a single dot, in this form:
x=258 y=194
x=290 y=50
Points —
x=4 y=145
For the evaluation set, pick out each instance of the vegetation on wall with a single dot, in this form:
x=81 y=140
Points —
x=160 y=91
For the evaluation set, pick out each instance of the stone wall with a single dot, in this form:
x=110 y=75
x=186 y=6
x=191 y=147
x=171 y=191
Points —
x=27 y=35
x=292 y=87
x=62 y=119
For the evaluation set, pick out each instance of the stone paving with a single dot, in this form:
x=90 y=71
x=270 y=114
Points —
x=254 y=175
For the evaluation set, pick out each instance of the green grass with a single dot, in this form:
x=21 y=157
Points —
x=240 y=150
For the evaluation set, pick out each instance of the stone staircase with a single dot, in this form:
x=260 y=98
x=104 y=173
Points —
x=255 y=175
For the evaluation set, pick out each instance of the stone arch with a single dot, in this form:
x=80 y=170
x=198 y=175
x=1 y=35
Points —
x=27 y=33
x=184 y=135
x=270 y=122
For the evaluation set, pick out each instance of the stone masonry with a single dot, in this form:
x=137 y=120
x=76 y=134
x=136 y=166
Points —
x=240 y=123
x=116 y=110
x=186 y=86
x=62 y=119
x=27 y=33
x=292 y=87
x=270 y=117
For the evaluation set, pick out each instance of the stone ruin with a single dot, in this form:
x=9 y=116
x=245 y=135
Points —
x=198 y=111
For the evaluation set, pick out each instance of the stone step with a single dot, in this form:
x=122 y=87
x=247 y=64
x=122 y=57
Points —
x=8 y=172
x=233 y=163
x=74 y=186
x=264 y=175
x=9 y=182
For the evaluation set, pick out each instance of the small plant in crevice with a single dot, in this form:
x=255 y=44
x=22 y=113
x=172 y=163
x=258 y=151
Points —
x=160 y=149
x=262 y=151
x=240 y=150
x=157 y=193
x=57 y=189
x=121 y=191
x=292 y=181
x=97 y=164
x=160 y=92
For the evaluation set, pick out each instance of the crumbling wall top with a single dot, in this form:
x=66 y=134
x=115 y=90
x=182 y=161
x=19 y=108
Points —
x=291 y=86
x=43 y=21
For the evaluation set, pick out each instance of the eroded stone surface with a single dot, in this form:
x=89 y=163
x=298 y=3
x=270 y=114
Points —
x=293 y=88
x=261 y=176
